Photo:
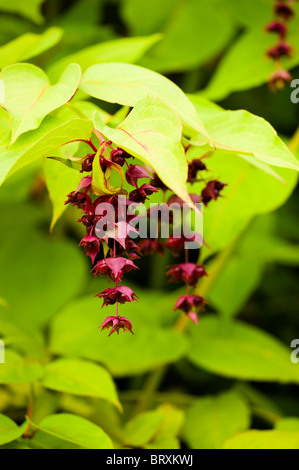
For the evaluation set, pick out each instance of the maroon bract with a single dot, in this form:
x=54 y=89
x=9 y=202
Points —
x=158 y=183
x=119 y=294
x=140 y=194
x=279 y=78
x=78 y=199
x=277 y=27
x=283 y=10
x=117 y=323
x=149 y=247
x=176 y=244
x=212 y=191
x=186 y=272
x=91 y=246
x=135 y=172
x=281 y=50
x=114 y=267
x=194 y=167
x=119 y=156
x=87 y=162
x=189 y=302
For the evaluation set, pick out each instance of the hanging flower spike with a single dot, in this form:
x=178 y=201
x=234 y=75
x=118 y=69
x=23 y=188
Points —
x=91 y=246
x=117 y=323
x=188 y=302
x=119 y=294
x=212 y=191
x=114 y=268
x=189 y=273
x=135 y=172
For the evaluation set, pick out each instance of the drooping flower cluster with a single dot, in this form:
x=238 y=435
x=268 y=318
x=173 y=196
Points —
x=284 y=12
x=186 y=272
x=112 y=254
x=107 y=241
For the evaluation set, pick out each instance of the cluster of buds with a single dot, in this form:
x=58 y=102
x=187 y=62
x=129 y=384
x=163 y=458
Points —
x=112 y=251
x=284 y=12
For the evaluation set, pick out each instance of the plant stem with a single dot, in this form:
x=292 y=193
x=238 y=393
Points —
x=26 y=434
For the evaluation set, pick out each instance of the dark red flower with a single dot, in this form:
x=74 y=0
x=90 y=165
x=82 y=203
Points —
x=140 y=194
x=277 y=27
x=91 y=246
x=188 y=302
x=194 y=167
x=282 y=49
x=212 y=191
x=119 y=294
x=119 y=155
x=195 y=198
x=134 y=172
x=158 y=183
x=87 y=162
x=117 y=323
x=114 y=267
x=78 y=199
x=150 y=247
x=176 y=244
x=283 y=10
x=278 y=79
x=186 y=272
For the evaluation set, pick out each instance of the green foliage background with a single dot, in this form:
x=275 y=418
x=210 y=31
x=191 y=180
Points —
x=228 y=382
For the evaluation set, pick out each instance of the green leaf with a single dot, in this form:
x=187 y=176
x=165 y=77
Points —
x=80 y=377
x=234 y=131
x=149 y=348
x=155 y=429
x=190 y=23
x=230 y=214
x=128 y=50
x=31 y=10
x=49 y=273
x=264 y=440
x=238 y=279
x=152 y=132
x=234 y=349
x=17 y=370
x=9 y=431
x=287 y=424
x=36 y=144
x=256 y=69
x=28 y=45
x=127 y=84
x=29 y=97
x=212 y=420
x=60 y=180
x=75 y=430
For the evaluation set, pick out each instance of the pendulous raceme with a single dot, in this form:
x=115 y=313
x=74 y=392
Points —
x=114 y=253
